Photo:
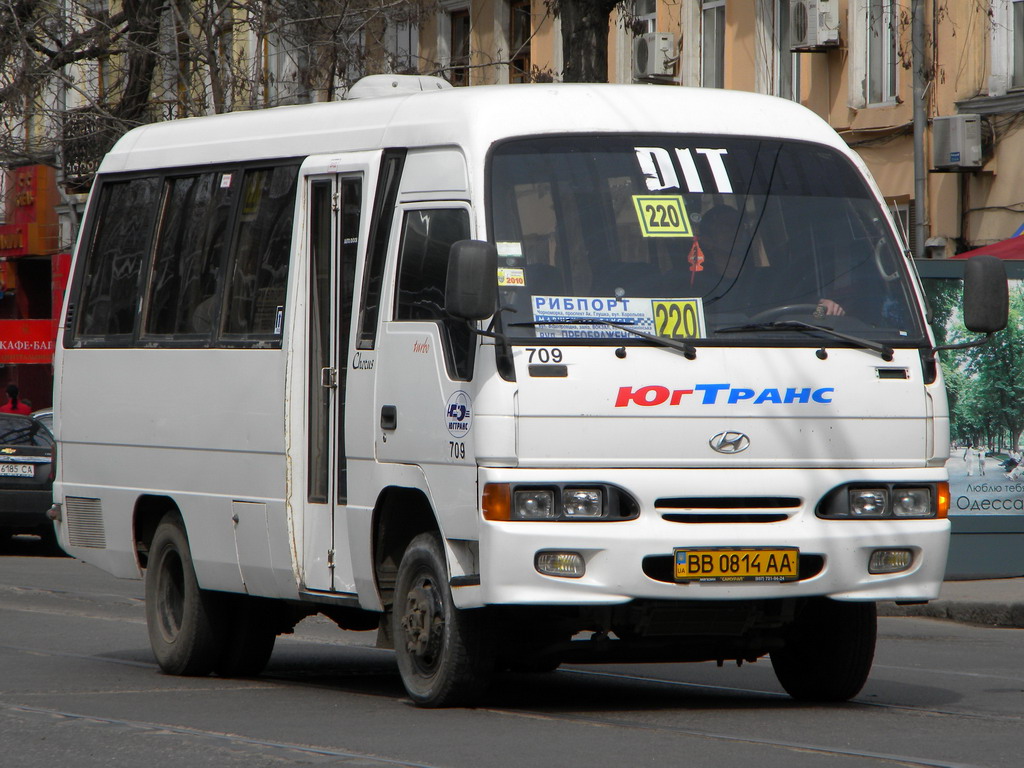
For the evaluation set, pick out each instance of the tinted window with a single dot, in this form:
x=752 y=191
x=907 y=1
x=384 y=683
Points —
x=693 y=237
x=380 y=232
x=116 y=256
x=427 y=238
x=23 y=431
x=259 y=276
x=190 y=245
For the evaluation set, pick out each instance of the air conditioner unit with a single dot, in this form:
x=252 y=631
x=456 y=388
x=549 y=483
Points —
x=653 y=56
x=813 y=25
x=956 y=143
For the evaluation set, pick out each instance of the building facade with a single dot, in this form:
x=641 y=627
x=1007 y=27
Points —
x=850 y=61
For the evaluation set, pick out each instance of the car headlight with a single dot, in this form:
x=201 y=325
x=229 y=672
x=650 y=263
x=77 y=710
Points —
x=502 y=501
x=868 y=502
x=880 y=501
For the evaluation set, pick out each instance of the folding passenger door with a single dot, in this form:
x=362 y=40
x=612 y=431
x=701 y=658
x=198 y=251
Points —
x=334 y=230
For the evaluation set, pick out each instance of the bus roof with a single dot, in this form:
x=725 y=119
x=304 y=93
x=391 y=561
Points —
x=472 y=118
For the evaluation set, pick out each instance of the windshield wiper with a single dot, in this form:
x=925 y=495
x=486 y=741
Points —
x=884 y=350
x=689 y=351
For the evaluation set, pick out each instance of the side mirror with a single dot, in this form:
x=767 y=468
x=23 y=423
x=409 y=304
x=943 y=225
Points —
x=986 y=294
x=471 y=292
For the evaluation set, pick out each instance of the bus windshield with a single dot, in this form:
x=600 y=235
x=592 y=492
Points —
x=720 y=240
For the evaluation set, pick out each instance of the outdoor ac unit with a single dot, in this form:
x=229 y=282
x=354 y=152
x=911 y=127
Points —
x=813 y=25
x=653 y=56
x=956 y=142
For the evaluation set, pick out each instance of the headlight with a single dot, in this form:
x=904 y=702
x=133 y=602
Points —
x=885 y=501
x=534 y=505
x=868 y=502
x=502 y=501
x=580 y=503
x=912 y=502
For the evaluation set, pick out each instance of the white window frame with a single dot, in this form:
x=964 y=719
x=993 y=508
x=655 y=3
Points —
x=1007 y=43
x=866 y=46
x=402 y=43
x=707 y=37
x=774 y=57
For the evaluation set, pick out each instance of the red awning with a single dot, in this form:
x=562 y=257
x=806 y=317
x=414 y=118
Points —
x=1012 y=248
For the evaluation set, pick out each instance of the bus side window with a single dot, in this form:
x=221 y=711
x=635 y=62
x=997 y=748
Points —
x=427 y=237
x=184 y=286
x=117 y=253
x=259 y=260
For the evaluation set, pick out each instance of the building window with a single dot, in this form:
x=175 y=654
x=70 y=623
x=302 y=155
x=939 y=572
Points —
x=645 y=13
x=458 y=25
x=1017 y=44
x=712 y=44
x=401 y=41
x=520 y=27
x=787 y=62
x=882 y=56
x=778 y=67
x=874 y=62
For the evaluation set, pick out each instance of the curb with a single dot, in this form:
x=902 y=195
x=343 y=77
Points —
x=980 y=614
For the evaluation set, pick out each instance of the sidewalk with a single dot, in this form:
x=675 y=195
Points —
x=985 y=602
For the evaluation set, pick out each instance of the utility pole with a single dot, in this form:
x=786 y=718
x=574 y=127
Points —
x=920 y=127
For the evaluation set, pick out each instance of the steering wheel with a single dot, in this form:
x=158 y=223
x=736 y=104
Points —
x=785 y=309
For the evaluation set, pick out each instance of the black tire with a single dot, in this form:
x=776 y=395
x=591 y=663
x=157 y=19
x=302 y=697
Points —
x=442 y=652
x=186 y=623
x=249 y=637
x=828 y=650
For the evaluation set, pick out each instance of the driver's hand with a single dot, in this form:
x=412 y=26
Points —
x=829 y=307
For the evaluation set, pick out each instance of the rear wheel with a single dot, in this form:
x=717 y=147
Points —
x=186 y=626
x=442 y=653
x=828 y=650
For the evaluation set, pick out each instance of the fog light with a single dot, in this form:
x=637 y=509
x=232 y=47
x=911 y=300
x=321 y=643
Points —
x=912 y=502
x=534 y=505
x=568 y=565
x=868 y=502
x=890 y=560
x=583 y=502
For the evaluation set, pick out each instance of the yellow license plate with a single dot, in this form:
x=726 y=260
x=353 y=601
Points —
x=737 y=564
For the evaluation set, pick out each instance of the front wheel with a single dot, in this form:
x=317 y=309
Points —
x=186 y=630
x=828 y=650
x=442 y=653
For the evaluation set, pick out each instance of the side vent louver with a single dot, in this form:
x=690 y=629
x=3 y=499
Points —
x=84 y=519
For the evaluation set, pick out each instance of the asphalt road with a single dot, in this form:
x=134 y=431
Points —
x=78 y=687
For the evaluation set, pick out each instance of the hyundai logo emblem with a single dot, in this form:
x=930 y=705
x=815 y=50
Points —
x=729 y=442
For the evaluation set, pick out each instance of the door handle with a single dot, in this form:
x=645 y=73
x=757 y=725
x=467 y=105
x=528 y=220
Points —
x=389 y=417
x=329 y=378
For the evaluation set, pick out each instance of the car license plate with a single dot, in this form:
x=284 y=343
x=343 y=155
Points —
x=7 y=469
x=737 y=564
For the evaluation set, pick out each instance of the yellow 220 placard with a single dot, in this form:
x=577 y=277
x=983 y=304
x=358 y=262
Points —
x=662 y=216
x=678 y=319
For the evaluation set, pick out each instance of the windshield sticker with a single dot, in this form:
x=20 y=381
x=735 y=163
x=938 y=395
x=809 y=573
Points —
x=662 y=216
x=507 y=250
x=588 y=311
x=583 y=317
x=679 y=319
x=660 y=172
x=509 y=277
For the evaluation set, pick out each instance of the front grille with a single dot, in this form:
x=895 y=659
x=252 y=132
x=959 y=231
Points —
x=728 y=509
x=84 y=518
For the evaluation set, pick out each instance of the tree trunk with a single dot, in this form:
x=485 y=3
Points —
x=584 y=39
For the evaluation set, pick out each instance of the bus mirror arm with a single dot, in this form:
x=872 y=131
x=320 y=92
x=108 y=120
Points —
x=965 y=345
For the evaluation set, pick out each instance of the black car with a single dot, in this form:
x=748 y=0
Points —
x=26 y=477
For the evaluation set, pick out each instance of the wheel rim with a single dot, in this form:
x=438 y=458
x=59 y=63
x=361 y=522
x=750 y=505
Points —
x=423 y=625
x=171 y=595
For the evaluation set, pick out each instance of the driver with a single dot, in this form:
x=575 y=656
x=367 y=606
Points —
x=717 y=268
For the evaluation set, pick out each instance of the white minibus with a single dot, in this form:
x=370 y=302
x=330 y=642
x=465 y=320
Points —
x=516 y=376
